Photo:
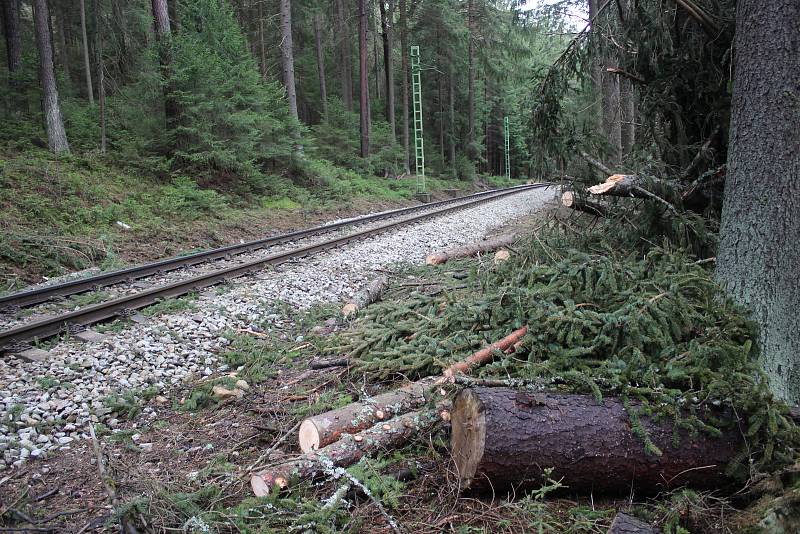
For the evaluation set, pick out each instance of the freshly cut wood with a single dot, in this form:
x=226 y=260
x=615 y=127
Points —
x=627 y=524
x=473 y=249
x=632 y=185
x=485 y=355
x=504 y=438
x=368 y=295
x=570 y=200
x=321 y=430
x=347 y=451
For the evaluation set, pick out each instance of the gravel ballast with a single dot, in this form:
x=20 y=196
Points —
x=46 y=406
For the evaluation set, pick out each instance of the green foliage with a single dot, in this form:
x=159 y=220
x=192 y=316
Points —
x=129 y=403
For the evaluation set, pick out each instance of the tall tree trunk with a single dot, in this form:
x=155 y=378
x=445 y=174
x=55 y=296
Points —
x=56 y=136
x=64 y=39
x=452 y=129
x=470 y=141
x=346 y=70
x=374 y=31
x=101 y=90
x=163 y=29
x=87 y=66
x=404 y=56
x=627 y=105
x=120 y=28
x=386 y=24
x=363 y=76
x=323 y=91
x=13 y=39
x=757 y=260
x=287 y=55
x=262 y=44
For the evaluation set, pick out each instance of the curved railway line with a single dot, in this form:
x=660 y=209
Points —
x=16 y=338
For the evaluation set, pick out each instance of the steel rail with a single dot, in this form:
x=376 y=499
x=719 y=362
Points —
x=43 y=294
x=124 y=305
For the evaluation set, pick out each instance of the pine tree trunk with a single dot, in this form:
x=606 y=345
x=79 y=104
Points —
x=323 y=91
x=471 y=84
x=504 y=438
x=121 y=28
x=375 y=55
x=627 y=104
x=101 y=90
x=388 y=64
x=13 y=39
x=56 y=136
x=87 y=66
x=63 y=38
x=404 y=56
x=346 y=70
x=758 y=260
x=287 y=55
x=261 y=42
x=363 y=76
x=452 y=128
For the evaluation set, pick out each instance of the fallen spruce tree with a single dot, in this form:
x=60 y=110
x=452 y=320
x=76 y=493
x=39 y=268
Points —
x=504 y=438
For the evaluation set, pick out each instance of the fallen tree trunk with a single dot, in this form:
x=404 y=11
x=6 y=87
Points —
x=503 y=439
x=368 y=295
x=570 y=200
x=320 y=430
x=627 y=524
x=632 y=185
x=347 y=451
x=472 y=249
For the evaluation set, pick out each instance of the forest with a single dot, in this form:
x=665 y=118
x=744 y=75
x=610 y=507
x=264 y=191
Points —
x=615 y=353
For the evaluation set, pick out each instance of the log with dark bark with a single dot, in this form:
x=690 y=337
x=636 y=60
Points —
x=368 y=295
x=322 y=430
x=472 y=249
x=347 y=451
x=570 y=200
x=627 y=524
x=503 y=439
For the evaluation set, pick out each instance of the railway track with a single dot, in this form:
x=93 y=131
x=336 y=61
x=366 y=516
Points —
x=16 y=338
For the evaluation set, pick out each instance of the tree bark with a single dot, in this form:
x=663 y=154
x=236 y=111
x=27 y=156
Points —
x=470 y=149
x=388 y=63
x=404 y=60
x=368 y=295
x=632 y=185
x=363 y=76
x=346 y=70
x=471 y=249
x=101 y=89
x=63 y=37
x=347 y=451
x=323 y=91
x=163 y=32
x=13 y=39
x=627 y=97
x=503 y=439
x=626 y=524
x=452 y=113
x=570 y=200
x=56 y=136
x=87 y=66
x=757 y=260
x=287 y=55
x=322 y=430
x=261 y=41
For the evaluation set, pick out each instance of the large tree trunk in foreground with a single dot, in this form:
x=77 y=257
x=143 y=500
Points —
x=347 y=451
x=287 y=56
x=363 y=74
x=504 y=438
x=323 y=91
x=758 y=259
x=471 y=249
x=56 y=136
x=13 y=39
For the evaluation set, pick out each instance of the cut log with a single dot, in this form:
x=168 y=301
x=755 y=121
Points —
x=627 y=524
x=473 y=249
x=327 y=364
x=503 y=439
x=632 y=185
x=485 y=355
x=347 y=451
x=570 y=200
x=368 y=295
x=321 y=430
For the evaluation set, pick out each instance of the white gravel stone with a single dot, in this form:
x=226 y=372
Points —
x=170 y=350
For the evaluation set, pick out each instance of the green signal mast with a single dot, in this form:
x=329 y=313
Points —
x=508 y=149
x=419 y=151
